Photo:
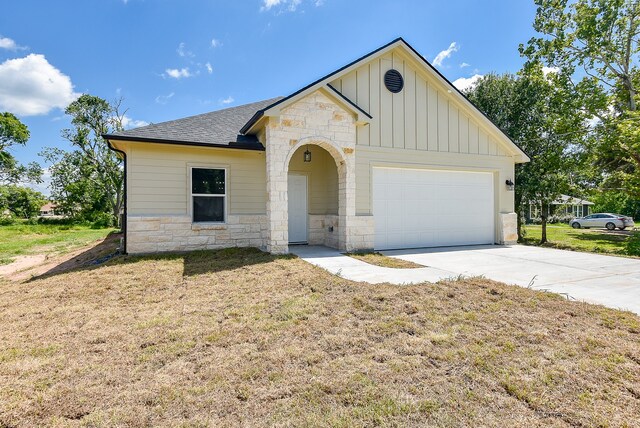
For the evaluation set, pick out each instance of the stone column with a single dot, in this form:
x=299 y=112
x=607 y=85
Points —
x=277 y=200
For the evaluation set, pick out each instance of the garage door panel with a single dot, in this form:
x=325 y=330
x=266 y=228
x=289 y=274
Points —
x=425 y=208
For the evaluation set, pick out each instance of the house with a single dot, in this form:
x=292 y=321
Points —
x=564 y=205
x=48 y=210
x=383 y=153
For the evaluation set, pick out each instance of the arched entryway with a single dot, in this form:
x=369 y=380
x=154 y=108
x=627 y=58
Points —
x=315 y=190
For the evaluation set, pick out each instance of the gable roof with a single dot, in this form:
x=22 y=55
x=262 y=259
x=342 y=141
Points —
x=217 y=128
x=274 y=108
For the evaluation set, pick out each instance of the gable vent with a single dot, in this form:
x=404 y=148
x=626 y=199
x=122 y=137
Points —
x=393 y=81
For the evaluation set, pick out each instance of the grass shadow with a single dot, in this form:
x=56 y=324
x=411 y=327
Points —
x=212 y=261
x=89 y=258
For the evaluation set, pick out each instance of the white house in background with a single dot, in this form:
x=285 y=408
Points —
x=49 y=210
x=564 y=205
x=383 y=153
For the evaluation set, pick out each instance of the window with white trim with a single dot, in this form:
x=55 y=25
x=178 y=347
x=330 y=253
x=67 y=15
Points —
x=208 y=194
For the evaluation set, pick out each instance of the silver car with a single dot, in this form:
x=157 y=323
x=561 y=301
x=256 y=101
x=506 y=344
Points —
x=608 y=220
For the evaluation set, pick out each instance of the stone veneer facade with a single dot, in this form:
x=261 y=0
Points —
x=315 y=119
x=147 y=234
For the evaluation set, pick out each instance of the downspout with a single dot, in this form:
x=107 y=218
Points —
x=123 y=226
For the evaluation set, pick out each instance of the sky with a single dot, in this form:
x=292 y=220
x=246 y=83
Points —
x=169 y=59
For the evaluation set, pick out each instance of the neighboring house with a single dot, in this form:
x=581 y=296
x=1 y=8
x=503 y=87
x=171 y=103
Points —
x=48 y=210
x=564 y=205
x=382 y=153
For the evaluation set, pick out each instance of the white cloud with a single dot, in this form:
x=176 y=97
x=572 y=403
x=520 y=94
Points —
x=31 y=86
x=215 y=43
x=178 y=73
x=209 y=68
x=227 y=100
x=465 y=83
x=129 y=123
x=163 y=99
x=10 y=44
x=284 y=5
x=453 y=47
x=182 y=50
x=464 y=64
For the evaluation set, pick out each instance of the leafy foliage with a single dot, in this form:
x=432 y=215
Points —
x=21 y=201
x=538 y=112
x=88 y=181
x=13 y=132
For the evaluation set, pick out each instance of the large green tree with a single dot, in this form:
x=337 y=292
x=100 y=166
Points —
x=13 y=132
x=21 y=201
x=539 y=114
x=597 y=43
x=88 y=181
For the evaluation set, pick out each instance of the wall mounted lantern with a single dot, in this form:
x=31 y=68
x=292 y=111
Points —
x=510 y=185
x=307 y=155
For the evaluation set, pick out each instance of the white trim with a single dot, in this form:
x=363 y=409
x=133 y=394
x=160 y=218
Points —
x=225 y=196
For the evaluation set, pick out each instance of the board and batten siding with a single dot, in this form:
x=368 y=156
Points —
x=158 y=177
x=423 y=116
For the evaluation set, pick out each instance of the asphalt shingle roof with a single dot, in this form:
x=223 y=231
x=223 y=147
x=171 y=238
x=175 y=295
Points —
x=219 y=127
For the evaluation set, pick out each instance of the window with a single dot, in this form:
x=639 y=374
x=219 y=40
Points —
x=208 y=194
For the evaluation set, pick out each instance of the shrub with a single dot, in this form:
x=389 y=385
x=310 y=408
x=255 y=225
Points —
x=102 y=220
x=7 y=221
x=632 y=244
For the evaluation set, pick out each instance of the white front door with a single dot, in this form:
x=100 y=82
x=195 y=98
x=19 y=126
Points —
x=297 y=208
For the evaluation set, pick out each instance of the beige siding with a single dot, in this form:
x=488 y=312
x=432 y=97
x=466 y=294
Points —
x=369 y=157
x=423 y=116
x=158 y=177
x=322 y=178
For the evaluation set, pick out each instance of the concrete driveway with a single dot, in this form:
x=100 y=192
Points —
x=607 y=280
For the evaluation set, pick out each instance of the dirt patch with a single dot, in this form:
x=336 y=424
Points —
x=21 y=263
x=35 y=265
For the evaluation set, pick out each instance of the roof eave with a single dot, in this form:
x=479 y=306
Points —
x=232 y=145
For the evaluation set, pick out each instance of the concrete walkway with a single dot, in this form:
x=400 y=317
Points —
x=606 y=280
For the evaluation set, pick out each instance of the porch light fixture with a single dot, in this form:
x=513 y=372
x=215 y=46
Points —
x=307 y=155
x=510 y=185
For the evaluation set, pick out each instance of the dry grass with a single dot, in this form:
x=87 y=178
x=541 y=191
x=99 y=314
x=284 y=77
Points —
x=241 y=338
x=378 y=259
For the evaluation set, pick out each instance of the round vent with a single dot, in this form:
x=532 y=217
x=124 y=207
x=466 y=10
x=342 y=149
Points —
x=393 y=81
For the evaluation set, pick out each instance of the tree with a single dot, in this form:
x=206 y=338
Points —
x=21 y=201
x=89 y=180
x=13 y=132
x=539 y=114
x=596 y=42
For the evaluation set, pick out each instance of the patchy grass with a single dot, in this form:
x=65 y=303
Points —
x=564 y=237
x=378 y=259
x=243 y=338
x=25 y=239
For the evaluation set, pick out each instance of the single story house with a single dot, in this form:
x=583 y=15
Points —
x=383 y=153
x=564 y=205
x=49 y=210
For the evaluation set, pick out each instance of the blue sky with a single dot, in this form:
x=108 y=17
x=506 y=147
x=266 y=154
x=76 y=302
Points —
x=174 y=58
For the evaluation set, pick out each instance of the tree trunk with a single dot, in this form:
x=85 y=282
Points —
x=543 y=216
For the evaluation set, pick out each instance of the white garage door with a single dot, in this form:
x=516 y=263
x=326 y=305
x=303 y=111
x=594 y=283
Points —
x=425 y=208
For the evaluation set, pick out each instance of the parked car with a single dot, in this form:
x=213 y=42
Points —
x=608 y=220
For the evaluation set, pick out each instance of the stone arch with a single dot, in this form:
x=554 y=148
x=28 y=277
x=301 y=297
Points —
x=340 y=160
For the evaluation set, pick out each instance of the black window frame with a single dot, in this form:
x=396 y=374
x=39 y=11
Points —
x=222 y=196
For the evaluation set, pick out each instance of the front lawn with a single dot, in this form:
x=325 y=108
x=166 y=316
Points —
x=24 y=239
x=378 y=259
x=242 y=338
x=590 y=240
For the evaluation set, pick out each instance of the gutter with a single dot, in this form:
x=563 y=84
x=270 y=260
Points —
x=123 y=226
x=231 y=145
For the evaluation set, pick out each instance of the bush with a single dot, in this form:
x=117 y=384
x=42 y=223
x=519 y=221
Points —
x=632 y=244
x=65 y=221
x=7 y=221
x=102 y=221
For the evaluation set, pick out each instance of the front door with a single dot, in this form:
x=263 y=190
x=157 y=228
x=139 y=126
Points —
x=297 y=209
